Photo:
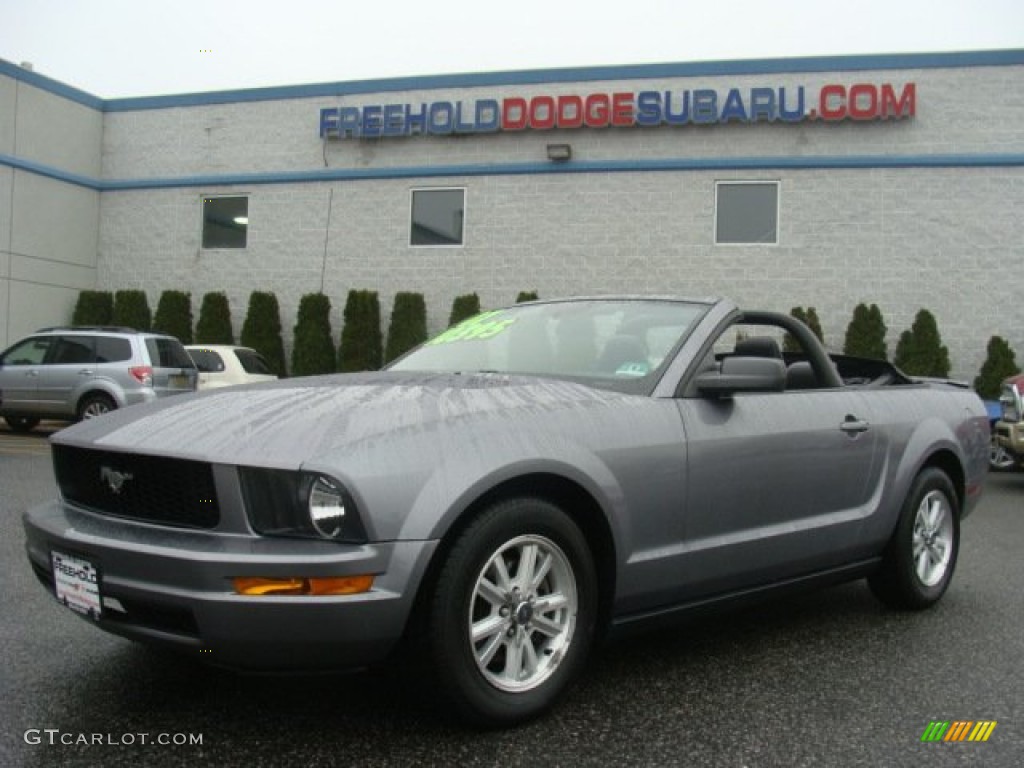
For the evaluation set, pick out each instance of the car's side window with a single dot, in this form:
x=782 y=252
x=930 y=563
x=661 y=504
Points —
x=112 y=349
x=71 y=350
x=32 y=351
x=252 y=362
x=207 y=361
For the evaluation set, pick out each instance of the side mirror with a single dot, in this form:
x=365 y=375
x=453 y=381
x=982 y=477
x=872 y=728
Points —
x=743 y=374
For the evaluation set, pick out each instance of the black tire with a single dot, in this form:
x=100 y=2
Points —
x=95 y=405
x=919 y=560
x=21 y=424
x=530 y=628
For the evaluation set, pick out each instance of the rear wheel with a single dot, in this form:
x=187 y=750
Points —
x=513 y=613
x=95 y=405
x=21 y=424
x=919 y=560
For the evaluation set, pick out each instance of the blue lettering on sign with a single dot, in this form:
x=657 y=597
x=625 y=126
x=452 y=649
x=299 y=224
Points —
x=762 y=104
x=705 y=106
x=488 y=115
x=415 y=122
x=441 y=118
x=648 y=108
x=394 y=120
x=372 y=121
x=733 y=109
x=797 y=113
x=348 y=122
x=460 y=125
x=683 y=115
x=328 y=122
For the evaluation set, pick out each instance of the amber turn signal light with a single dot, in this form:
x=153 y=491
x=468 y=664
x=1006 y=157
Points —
x=341 y=585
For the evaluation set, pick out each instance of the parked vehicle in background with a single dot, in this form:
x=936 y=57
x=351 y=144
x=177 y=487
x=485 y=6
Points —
x=507 y=491
x=1009 y=430
x=224 y=365
x=67 y=374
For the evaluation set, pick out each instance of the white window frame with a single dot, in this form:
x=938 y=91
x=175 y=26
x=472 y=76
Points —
x=778 y=211
x=412 y=196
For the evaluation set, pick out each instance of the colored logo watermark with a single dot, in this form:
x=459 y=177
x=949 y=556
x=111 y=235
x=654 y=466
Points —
x=958 y=730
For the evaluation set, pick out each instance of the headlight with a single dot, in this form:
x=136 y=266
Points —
x=327 y=508
x=1010 y=401
x=303 y=504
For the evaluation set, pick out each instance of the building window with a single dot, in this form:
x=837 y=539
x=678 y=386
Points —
x=225 y=222
x=438 y=216
x=746 y=212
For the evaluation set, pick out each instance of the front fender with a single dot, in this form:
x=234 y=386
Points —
x=455 y=495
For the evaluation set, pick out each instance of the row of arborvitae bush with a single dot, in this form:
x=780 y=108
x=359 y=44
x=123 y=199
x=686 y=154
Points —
x=362 y=347
x=919 y=351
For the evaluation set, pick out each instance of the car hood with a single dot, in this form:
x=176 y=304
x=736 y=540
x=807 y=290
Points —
x=286 y=423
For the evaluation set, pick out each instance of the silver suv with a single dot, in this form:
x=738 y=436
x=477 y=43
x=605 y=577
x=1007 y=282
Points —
x=80 y=372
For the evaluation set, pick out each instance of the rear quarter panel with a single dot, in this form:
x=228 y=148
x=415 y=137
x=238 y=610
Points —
x=926 y=424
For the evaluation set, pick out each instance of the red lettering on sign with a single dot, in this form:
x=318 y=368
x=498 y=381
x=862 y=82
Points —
x=595 y=114
x=542 y=112
x=832 y=104
x=904 y=106
x=863 y=102
x=622 y=109
x=513 y=114
x=570 y=112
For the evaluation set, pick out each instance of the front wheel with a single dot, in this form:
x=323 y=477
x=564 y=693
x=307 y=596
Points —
x=514 y=610
x=1000 y=459
x=918 y=562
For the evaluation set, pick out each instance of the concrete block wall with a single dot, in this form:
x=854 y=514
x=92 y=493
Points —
x=939 y=239
x=49 y=227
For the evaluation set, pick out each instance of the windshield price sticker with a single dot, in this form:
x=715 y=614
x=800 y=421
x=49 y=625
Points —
x=77 y=584
x=483 y=326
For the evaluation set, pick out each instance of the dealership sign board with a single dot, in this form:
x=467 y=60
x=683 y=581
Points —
x=625 y=109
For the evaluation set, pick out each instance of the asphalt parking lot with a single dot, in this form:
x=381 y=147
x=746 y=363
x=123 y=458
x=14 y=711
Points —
x=825 y=679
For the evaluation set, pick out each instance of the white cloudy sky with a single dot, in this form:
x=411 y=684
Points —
x=119 y=48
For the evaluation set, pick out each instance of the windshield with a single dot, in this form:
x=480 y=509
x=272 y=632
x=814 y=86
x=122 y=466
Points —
x=609 y=340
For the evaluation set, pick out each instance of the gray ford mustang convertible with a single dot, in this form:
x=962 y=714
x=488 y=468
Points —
x=507 y=492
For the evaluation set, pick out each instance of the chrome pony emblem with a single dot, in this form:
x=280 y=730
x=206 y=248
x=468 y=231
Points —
x=115 y=480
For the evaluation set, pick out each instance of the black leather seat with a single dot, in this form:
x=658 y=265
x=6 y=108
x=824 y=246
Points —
x=801 y=375
x=758 y=346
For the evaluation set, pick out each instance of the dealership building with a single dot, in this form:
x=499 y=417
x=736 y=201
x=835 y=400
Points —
x=825 y=182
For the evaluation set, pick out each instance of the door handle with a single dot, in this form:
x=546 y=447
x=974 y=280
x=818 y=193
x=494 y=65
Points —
x=86 y=372
x=853 y=426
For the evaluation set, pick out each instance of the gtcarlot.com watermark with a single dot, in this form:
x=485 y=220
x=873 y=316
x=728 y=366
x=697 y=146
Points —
x=55 y=737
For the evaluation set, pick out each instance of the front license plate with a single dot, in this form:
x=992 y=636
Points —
x=77 y=582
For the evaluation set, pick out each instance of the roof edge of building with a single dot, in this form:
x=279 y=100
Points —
x=841 y=63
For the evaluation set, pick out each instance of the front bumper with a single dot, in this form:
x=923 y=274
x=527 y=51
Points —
x=174 y=587
x=1010 y=435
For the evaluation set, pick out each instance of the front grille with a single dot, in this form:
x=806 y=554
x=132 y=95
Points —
x=173 y=492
